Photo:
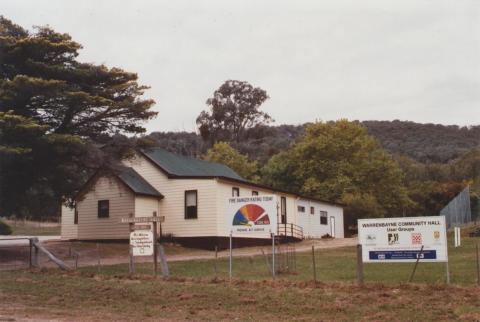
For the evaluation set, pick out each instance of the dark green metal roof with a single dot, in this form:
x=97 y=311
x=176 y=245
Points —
x=182 y=166
x=137 y=183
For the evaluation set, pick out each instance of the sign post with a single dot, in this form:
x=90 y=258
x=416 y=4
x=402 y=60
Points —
x=359 y=265
x=131 y=267
x=143 y=241
x=253 y=217
x=273 y=255
x=155 y=248
x=230 y=267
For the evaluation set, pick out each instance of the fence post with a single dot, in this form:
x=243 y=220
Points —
x=447 y=272
x=98 y=257
x=216 y=257
x=359 y=265
x=314 y=266
x=478 y=264
x=35 y=252
x=30 y=253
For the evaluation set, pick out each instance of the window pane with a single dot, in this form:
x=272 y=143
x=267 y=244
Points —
x=103 y=208
x=191 y=198
x=254 y=193
x=283 y=206
x=235 y=192
x=75 y=216
x=191 y=204
x=323 y=218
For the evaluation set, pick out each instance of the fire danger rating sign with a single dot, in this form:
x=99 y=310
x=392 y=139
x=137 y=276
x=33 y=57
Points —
x=141 y=242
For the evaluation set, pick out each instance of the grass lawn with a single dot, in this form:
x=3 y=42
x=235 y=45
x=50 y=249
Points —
x=192 y=292
x=32 y=228
x=332 y=265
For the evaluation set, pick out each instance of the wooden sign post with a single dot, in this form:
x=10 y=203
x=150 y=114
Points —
x=131 y=228
x=131 y=220
x=155 y=256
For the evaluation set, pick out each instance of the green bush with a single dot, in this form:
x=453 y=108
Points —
x=5 y=229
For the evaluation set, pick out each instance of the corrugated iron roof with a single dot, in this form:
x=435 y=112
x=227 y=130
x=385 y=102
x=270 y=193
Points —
x=137 y=183
x=183 y=166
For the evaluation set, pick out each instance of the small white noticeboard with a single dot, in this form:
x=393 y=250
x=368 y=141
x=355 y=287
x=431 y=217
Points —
x=394 y=240
x=142 y=242
x=253 y=215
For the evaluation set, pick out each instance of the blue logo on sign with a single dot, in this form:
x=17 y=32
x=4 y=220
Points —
x=402 y=254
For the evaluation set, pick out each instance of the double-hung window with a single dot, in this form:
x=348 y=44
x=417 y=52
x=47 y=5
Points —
x=103 y=209
x=323 y=218
x=191 y=204
x=283 y=210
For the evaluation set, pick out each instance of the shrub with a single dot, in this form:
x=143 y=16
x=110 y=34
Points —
x=4 y=228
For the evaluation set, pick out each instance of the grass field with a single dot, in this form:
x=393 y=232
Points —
x=193 y=293
x=85 y=296
x=332 y=265
x=33 y=228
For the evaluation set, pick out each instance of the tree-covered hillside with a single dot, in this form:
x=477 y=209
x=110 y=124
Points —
x=425 y=142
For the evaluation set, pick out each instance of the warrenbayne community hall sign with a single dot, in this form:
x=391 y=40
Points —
x=401 y=239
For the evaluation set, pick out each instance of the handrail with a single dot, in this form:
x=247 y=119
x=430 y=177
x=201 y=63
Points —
x=290 y=230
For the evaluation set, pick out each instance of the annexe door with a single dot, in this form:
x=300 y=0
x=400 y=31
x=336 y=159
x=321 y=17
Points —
x=332 y=226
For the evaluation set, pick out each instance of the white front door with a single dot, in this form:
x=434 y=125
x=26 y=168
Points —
x=304 y=222
x=332 y=226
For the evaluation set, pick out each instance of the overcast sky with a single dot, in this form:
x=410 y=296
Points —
x=413 y=60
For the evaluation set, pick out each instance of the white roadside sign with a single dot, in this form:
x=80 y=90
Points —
x=401 y=239
x=142 y=242
x=254 y=215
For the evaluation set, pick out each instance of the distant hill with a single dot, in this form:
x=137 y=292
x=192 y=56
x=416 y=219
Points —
x=425 y=142
x=422 y=142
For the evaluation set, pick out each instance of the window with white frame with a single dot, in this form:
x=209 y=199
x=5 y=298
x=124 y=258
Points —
x=323 y=218
x=191 y=204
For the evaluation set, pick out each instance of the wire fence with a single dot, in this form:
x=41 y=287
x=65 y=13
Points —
x=291 y=263
x=458 y=212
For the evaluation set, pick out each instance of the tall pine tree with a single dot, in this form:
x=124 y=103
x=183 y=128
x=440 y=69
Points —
x=68 y=107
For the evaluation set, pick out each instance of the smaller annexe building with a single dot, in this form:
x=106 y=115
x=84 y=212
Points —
x=191 y=194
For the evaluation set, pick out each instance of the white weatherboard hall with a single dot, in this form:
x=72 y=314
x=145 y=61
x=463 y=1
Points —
x=191 y=194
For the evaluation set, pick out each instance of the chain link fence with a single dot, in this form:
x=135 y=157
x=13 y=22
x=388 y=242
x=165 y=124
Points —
x=458 y=211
